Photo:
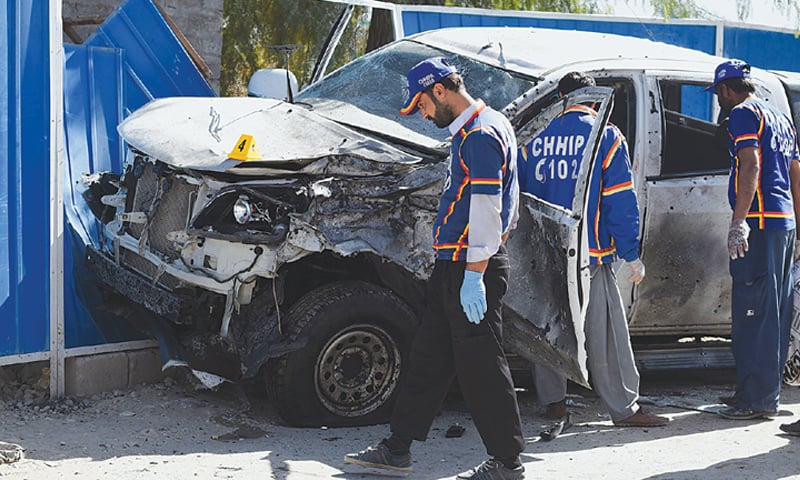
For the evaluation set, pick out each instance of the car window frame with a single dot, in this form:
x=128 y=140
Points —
x=691 y=124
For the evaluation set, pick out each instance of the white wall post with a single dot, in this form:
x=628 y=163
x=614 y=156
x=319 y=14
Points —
x=57 y=387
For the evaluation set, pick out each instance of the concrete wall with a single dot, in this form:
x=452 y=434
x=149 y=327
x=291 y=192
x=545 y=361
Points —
x=200 y=21
x=86 y=375
x=92 y=374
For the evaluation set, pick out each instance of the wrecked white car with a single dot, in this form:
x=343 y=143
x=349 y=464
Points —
x=291 y=240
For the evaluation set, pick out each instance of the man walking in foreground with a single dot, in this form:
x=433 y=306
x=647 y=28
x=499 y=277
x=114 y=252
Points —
x=461 y=331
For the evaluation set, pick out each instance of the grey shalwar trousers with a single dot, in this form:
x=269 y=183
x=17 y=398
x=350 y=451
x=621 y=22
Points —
x=612 y=369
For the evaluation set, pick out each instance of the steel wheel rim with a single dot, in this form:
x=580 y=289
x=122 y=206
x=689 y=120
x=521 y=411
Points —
x=357 y=370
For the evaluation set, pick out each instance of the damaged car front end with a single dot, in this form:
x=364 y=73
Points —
x=214 y=250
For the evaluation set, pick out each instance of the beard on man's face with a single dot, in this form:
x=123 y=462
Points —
x=444 y=114
x=725 y=105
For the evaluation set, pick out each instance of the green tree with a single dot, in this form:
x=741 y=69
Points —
x=251 y=26
x=563 y=6
x=690 y=9
x=677 y=9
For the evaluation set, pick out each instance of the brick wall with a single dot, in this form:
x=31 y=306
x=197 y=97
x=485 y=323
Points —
x=200 y=21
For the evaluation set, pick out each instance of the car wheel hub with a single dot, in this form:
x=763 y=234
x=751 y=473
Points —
x=357 y=370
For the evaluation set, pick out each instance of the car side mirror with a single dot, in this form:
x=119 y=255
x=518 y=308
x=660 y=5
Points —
x=277 y=83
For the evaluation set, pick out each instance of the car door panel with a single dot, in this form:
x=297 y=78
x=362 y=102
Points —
x=547 y=295
x=687 y=288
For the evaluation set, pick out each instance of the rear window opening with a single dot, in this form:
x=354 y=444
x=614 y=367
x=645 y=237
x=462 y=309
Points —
x=693 y=142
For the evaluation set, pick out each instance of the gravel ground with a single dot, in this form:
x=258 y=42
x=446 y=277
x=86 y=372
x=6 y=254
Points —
x=171 y=430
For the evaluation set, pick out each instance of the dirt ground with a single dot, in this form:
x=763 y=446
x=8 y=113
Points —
x=172 y=430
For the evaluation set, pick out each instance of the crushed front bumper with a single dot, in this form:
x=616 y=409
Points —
x=181 y=307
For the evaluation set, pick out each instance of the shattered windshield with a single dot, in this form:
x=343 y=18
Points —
x=369 y=92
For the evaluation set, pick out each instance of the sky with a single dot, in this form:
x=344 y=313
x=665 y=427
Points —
x=763 y=12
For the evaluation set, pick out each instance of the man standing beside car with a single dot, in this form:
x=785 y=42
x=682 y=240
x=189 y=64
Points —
x=764 y=194
x=461 y=330
x=612 y=218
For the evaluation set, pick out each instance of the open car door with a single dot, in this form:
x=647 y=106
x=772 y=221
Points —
x=549 y=287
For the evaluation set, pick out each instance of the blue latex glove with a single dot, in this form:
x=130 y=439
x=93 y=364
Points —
x=473 y=296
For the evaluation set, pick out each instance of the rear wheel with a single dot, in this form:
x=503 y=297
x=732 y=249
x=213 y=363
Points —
x=357 y=338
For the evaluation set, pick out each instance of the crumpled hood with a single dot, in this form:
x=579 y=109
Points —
x=201 y=132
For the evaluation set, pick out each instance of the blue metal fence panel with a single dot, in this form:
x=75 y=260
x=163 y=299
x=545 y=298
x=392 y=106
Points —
x=24 y=176
x=738 y=41
x=133 y=57
x=7 y=169
x=156 y=64
x=696 y=102
x=93 y=107
x=696 y=36
x=94 y=104
x=762 y=48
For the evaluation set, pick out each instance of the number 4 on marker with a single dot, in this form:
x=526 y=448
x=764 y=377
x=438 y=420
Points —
x=245 y=149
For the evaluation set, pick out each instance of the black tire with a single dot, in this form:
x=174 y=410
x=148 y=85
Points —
x=357 y=340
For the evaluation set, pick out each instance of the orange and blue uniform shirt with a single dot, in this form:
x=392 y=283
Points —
x=549 y=166
x=755 y=123
x=481 y=193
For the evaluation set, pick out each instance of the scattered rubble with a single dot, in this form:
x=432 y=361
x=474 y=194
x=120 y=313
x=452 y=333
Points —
x=25 y=392
x=25 y=384
x=10 y=452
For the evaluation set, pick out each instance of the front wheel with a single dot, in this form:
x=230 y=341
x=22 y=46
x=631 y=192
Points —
x=357 y=338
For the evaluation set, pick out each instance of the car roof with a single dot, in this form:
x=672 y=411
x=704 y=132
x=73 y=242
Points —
x=790 y=78
x=539 y=51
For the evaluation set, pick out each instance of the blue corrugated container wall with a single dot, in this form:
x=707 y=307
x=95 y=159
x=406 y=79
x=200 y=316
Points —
x=763 y=48
x=698 y=37
x=24 y=176
x=94 y=102
x=156 y=64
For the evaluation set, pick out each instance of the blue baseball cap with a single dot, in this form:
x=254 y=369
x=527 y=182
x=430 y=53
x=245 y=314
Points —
x=730 y=69
x=421 y=77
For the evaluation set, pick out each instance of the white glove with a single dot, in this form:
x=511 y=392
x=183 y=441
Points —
x=737 y=239
x=637 y=270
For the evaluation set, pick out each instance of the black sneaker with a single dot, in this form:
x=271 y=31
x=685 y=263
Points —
x=729 y=400
x=733 y=413
x=791 y=428
x=492 y=470
x=380 y=457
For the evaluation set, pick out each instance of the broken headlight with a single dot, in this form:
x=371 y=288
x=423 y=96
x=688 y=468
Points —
x=243 y=210
x=252 y=214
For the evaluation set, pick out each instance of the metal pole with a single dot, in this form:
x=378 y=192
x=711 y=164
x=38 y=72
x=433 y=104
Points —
x=397 y=22
x=57 y=387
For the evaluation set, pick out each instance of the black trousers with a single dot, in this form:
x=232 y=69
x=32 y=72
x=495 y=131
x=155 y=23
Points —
x=448 y=345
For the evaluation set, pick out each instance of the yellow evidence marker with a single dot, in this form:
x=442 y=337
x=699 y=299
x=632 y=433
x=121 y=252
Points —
x=245 y=149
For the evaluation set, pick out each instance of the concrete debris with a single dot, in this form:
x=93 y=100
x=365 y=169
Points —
x=24 y=384
x=456 y=430
x=209 y=380
x=10 y=452
x=242 y=432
